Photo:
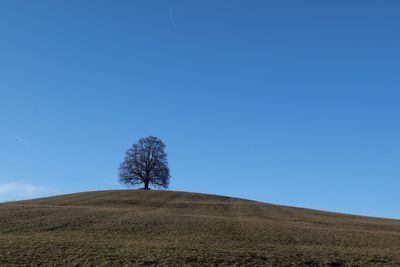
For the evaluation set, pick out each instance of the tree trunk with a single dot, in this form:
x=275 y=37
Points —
x=146 y=184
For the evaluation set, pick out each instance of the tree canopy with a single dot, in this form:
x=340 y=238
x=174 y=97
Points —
x=145 y=163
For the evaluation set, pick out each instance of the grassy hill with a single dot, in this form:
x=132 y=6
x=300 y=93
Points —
x=137 y=227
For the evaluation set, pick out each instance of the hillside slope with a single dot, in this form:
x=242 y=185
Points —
x=137 y=227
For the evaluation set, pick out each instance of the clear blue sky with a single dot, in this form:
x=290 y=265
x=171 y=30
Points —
x=289 y=102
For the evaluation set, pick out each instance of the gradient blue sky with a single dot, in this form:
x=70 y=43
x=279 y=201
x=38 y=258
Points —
x=289 y=102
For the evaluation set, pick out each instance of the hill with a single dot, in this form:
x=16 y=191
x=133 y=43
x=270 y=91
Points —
x=137 y=227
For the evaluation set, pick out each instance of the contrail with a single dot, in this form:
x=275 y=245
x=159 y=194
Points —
x=24 y=142
x=171 y=15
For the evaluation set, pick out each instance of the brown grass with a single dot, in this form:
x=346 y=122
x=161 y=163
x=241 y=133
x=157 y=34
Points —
x=136 y=227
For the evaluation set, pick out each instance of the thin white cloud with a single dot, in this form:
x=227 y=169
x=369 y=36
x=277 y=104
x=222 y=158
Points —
x=172 y=17
x=22 y=141
x=19 y=189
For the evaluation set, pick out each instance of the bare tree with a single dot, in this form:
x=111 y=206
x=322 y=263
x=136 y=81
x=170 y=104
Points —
x=145 y=163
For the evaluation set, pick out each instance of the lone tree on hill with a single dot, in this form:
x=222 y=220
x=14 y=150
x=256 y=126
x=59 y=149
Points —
x=145 y=163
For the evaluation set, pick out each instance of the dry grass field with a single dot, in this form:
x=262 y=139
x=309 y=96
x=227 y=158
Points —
x=137 y=227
